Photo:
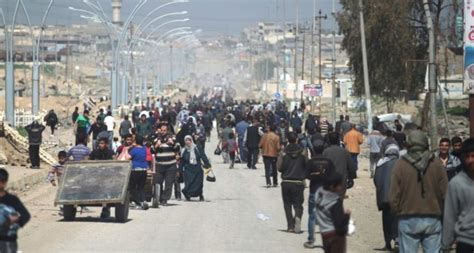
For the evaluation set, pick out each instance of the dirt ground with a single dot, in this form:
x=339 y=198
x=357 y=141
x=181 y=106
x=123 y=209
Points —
x=63 y=106
x=226 y=222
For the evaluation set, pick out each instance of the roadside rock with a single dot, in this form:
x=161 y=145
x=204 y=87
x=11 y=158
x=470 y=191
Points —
x=3 y=158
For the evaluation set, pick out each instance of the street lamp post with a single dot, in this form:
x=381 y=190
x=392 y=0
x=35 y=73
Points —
x=9 y=68
x=114 y=73
x=165 y=23
x=171 y=33
x=35 y=103
x=136 y=38
x=99 y=16
x=142 y=29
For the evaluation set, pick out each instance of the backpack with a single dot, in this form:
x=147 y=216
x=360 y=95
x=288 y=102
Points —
x=319 y=168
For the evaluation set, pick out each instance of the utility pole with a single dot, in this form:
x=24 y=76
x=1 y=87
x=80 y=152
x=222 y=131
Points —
x=320 y=18
x=171 y=63
x=366 y=69
x=302 y=58
x=66 y=69
x=278 y=50
x=56 y=61
x=266 y=68
x=334 y=90
x=432 y=75
x=297 y=30
x=471 y=114
x=313 y=26
x=284 y=45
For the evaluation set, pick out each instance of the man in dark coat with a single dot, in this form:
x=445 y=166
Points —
x=35 y=135
x=51 y=120
x=341 y=159
x=382 y=177
x=252 y=140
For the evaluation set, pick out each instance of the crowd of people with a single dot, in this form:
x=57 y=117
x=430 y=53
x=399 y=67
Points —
x=168 y=140
x=418 y=205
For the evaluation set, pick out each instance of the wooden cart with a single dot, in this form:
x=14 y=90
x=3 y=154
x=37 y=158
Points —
x=95 y=183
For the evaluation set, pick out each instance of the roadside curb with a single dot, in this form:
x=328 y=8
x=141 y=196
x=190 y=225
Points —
x=26 y=183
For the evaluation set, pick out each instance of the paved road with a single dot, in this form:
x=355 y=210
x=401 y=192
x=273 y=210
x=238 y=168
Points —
x=226 y=222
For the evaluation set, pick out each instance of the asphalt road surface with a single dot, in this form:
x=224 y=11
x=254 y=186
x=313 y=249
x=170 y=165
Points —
x=228 y=221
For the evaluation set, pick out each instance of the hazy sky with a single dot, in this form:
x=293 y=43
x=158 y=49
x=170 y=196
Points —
x=212 y=16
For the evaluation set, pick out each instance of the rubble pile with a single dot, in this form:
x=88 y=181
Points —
x=458 y=126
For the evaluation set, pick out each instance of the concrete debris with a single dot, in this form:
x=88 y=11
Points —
x=3 y=158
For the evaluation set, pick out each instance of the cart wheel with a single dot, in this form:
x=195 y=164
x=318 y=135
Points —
x=121 y=210
x=69 y=212
x=156 y=196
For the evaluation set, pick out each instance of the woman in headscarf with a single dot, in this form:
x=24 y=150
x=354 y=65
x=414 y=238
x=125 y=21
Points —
x=193 y=159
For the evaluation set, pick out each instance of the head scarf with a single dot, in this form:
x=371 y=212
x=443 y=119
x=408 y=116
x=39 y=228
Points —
x=418 y=154
x=191 y=149
x=391 y=153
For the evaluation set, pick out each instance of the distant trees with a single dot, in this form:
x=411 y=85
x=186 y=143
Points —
x=397 y=42
x=260 y=69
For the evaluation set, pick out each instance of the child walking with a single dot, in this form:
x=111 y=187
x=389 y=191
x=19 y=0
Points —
x=330 y=215
x=232 y=148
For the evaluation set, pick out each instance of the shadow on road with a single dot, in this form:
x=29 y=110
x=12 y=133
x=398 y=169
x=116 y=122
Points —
x=285 y=231
x=95 y=220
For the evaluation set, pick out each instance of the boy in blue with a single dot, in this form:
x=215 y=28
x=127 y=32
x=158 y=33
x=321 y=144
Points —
x=139 y=172
x=14 y=216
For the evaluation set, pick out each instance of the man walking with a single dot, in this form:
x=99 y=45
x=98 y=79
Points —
x=450 y=162
x=337 y=127
x=293 y=175
x=80 y=152
x=82 y=124
x=35 y=135
x=375 y=141
x=341 y=159
x=143 y=127
x=382 y=178
x=458 y=209
x=252 y=139
x=167 y=149
x=295 y=121
x=109 y=121
x=125 y=127
x=317 y=169
x=97 y=128
x=352 y=140
x=51 y=120
x=345 y=126
x=389 y=140
x=270 y=145
x=240 y=129
x=417 y=190
x=75 y=114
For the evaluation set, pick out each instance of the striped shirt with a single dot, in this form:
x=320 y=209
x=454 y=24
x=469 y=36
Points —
x=79 y=152
x=166 y=154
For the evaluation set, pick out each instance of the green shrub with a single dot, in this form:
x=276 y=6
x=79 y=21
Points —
x=458 y=111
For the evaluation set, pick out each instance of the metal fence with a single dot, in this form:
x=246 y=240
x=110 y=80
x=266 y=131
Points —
x=23 y=118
